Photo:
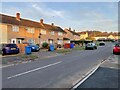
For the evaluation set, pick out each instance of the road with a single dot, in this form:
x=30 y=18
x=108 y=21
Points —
x=57 y=72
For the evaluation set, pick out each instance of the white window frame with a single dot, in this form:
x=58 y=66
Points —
x=30 y=30
x=13 y=40
x=43 y=31
x=15 y=28
x=19 y=40
x=60 y=33
x=52 y=33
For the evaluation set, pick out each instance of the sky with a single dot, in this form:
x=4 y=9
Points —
x=79 y=16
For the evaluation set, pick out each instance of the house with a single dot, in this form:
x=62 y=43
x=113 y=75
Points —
x=72 y=35
x=18 y=30
x=100 y=37
x=83 y=35
x=51 y=33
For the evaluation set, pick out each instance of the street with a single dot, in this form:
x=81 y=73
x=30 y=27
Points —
x=56 y=72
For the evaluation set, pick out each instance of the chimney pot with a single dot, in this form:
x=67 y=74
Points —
x=41 y=21
x=69 y=28
x=52 y=24
x=18 y=16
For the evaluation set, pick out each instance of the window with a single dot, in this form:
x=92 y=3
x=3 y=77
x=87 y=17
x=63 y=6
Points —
x=43 y=31
x=60 y=33
x=31 y=41
x=19 y=41
x=52 y=32
x=60 y=41
x=15 y=28
x=13 y=40
x=30 y=30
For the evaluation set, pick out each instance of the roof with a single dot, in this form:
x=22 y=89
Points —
x=82 y=32
x=24 y=22
x=73 y=32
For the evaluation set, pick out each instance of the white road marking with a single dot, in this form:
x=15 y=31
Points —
x=33 y=70
x=86 y=77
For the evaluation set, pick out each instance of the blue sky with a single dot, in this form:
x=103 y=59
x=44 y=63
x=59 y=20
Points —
x=80 y=16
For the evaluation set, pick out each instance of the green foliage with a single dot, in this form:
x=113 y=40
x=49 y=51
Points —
x=45 y=45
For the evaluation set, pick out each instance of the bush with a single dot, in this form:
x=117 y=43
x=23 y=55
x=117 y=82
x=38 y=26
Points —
x=45 y=45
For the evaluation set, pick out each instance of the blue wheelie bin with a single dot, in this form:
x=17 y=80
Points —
x=71 y=45
x=27 y=50
x=51 y=48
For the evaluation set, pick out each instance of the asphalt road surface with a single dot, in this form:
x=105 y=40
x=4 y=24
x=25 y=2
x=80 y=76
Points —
x=57 y=72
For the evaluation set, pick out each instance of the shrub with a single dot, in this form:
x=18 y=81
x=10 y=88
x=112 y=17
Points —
x=45 y=45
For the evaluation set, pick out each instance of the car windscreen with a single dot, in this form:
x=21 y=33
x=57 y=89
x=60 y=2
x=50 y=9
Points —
x=117 y=45
x=89 y=44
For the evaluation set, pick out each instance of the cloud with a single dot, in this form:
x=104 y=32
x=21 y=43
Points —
x=45 y=11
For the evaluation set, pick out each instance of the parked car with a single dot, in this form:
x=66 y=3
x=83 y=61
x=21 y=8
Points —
x=116 y=49
x=101 y=43
x=90 y=46
x=34 y=47
x=10 y=49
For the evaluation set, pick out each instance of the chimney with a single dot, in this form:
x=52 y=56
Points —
x=18 y=16
x=41 y=21
x=52 y=24
x=69 y=28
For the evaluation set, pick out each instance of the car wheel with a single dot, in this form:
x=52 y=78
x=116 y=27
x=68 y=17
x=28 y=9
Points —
x=3 y=53
x=113 y=52
x=95 y=47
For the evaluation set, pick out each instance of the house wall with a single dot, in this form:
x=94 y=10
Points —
x=7 y=35
x=111 y=37
x=76 y=37
x=48 y=35
x=22 y=34
x=96 y=38
x=3 y=33
x=69 y=35
x=83 y=36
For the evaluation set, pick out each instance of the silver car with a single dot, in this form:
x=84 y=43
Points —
x=90 y=46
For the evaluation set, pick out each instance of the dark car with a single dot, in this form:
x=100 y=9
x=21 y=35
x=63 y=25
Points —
x=90 y=46
x=34 y=47
x=116 y=49
x=101 y=43
x=10 y=49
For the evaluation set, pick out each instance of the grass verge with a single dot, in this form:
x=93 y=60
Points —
x=64 y=51
x=28 y=57
x=79 y=48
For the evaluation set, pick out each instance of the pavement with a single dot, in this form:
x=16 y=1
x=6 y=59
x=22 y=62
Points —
x=106 y=76
x=55 y=72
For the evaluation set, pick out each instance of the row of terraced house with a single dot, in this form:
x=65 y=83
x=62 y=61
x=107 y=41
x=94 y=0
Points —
x=18 y=30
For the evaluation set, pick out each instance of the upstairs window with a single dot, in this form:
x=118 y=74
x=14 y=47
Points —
x=52 y=32
x=43 y=31
x=30 y=30
x=60 y=33
x=15 y=28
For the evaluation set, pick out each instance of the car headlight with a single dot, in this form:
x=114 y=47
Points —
x=33 y=47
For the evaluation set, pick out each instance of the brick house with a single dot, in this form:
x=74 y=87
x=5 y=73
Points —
x=18 y=30
x=72 y=35
x=83 y=35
